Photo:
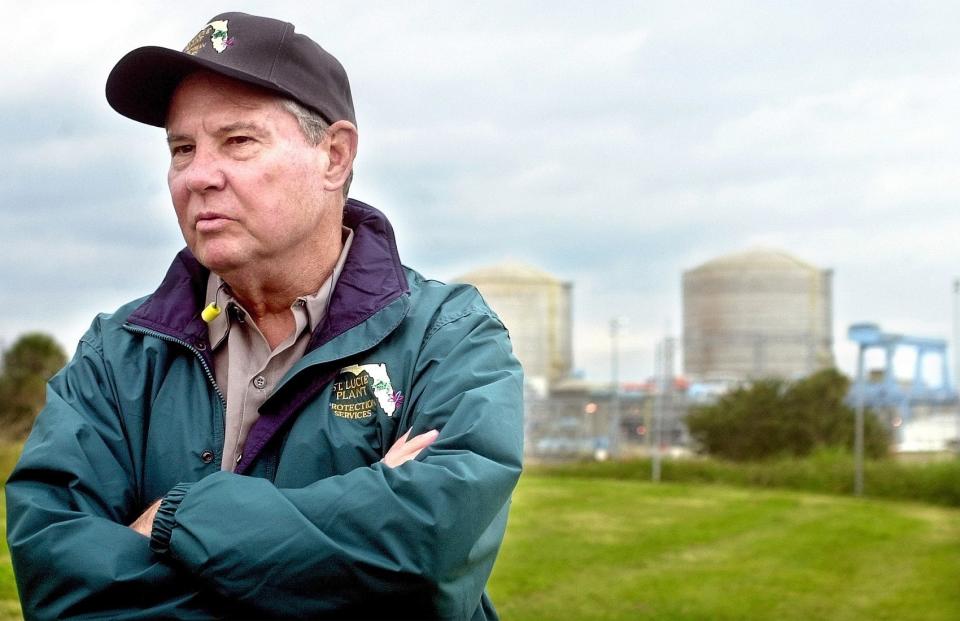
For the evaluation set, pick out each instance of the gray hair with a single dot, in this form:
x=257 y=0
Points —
x=313 y=126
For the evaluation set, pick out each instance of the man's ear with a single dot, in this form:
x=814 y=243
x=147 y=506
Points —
x=341 y=140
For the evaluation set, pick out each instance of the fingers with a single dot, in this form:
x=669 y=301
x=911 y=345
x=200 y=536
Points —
x=404 y=449
x=398 y=445
x=144 y=523
x=422 y=441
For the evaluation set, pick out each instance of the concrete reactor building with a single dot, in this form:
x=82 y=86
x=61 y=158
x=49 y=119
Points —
x=536 y=308
x=755 y=314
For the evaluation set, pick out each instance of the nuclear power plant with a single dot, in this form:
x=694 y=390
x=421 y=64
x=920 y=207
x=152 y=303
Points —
x=748 y=315
x=536 y=308
x=758 y=313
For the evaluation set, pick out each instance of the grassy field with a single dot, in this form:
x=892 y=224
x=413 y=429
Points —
x=607 y=549
x=580 y=548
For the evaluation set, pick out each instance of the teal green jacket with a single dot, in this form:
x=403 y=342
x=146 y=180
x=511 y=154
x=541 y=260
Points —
x=311 y=524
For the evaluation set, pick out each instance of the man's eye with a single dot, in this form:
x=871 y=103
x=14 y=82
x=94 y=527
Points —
x=181 y=149
x=239 y=140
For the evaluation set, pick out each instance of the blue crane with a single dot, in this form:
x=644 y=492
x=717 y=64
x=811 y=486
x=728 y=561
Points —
x=888 y=392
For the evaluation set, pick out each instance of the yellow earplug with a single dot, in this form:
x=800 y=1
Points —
x=211 y=312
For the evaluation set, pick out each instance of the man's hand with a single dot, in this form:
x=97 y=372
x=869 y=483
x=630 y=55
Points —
x=144 y=523
x=404 y=450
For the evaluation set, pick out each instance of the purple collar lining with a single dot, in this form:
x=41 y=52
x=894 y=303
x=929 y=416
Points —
x=372 y=279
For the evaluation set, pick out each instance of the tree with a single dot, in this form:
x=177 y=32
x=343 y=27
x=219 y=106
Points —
x=773 y=417
x=27 y=365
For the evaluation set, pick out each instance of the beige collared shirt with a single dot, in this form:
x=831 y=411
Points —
x=246 y=369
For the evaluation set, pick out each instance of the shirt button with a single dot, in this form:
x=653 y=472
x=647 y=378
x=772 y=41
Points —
x=260 y=381
x=206 y=456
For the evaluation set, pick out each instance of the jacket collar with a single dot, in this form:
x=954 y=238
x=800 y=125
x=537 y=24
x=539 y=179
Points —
x=372 y=278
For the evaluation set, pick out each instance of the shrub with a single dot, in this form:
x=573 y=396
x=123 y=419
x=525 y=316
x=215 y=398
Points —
x=825 y=471
x=27 y=365
x=772 y=417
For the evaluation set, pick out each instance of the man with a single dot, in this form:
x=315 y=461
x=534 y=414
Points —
x=293 y=424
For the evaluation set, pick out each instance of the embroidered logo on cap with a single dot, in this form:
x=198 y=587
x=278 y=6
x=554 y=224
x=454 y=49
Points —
x=359 y=388
x=218 y=35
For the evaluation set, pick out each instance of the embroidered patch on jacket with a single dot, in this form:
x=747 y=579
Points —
x=359 y=388
x=218 y=35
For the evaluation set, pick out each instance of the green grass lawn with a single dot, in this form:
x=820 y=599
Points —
x=588 y=548
x=579 y=548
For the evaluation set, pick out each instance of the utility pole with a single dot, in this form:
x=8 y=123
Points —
x=659 y=365
x=615 y=324
x=956 y=333
x=956 y=353
x=858 y=428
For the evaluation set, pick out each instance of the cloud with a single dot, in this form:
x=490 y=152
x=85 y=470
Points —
x=614 y=144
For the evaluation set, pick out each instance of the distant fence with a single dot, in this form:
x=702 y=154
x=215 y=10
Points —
x=577 y=426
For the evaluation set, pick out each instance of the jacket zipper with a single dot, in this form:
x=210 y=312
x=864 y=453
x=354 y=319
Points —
x=194 y=350
x=206 y=368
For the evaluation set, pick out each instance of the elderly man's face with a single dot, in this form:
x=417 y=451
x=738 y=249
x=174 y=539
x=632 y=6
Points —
x=244 y=181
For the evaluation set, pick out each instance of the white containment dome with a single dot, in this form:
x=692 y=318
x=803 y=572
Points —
x=535 y=307
x=759 y=313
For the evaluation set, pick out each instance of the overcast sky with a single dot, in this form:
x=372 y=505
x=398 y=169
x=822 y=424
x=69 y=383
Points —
x=613 y=144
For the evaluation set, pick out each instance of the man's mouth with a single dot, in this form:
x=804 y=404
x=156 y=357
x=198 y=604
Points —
x=209 y=221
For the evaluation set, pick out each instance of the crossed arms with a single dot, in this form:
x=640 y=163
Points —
x=402 y=451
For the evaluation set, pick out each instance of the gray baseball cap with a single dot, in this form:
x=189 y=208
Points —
x=257 y=50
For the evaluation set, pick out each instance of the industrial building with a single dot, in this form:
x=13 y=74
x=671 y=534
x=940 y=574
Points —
x=536 y=308
x=758 y=313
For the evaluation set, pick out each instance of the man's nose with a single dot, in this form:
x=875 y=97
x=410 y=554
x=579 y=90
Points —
x=204 y=173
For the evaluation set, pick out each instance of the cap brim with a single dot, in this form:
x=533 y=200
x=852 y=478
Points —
x=141 y=85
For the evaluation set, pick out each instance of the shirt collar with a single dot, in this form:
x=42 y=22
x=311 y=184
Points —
x=315 y=304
